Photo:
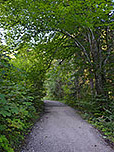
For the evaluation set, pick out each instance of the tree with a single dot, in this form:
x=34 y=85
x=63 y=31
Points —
x=77 y=35
x=84 y=27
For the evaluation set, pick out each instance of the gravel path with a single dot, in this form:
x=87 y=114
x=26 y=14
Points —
x=61 y=129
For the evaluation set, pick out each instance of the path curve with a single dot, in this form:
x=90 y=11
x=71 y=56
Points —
x=61 y=129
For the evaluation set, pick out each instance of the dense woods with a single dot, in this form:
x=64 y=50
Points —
x=60 y=50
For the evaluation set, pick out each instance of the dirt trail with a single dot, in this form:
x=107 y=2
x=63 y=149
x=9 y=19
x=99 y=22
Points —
x=61 y=129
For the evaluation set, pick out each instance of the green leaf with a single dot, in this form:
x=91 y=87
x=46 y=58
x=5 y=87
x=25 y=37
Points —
x=15 y=110
x=5 y=113
x=2 y=127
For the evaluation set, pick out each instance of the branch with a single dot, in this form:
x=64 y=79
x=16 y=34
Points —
x=93 y=37
x=106 y=59
x=68 y=46
x=77 y=43
x=51 y=59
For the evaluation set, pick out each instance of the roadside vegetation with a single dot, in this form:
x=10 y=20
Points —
x=20 y=99
x=74 y=88
x=61 y=50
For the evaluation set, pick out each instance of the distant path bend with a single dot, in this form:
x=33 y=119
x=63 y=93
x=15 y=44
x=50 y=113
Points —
x=61 y=129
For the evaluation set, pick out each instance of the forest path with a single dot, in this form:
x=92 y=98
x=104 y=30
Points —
x=61 y=129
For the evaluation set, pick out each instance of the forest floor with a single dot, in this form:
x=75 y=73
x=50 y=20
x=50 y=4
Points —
x=61 y=129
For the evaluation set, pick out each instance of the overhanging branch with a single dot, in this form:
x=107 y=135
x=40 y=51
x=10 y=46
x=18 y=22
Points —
x=77 y=43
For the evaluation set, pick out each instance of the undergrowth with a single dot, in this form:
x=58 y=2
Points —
x=98 y=114
x=20 y=104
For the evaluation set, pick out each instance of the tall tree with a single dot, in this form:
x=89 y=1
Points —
x=68 y=27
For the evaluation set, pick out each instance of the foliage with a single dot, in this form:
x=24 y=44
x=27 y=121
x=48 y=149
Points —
x=67 y=43
x=20 y=100
x=76 y=92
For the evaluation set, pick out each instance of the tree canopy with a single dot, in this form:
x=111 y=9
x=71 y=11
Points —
x=65 y=46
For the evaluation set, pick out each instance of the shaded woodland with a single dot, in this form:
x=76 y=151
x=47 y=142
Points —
x=60 y=50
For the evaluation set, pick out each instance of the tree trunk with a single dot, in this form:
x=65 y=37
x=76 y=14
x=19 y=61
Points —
x=92 y=86
x=98 y=84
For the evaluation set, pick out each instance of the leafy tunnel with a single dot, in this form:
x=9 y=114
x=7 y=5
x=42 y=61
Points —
x=60 y=50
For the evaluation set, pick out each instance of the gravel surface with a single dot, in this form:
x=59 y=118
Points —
x=61 y=129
